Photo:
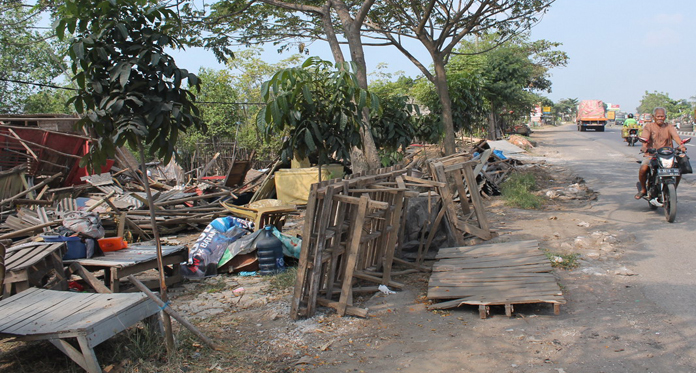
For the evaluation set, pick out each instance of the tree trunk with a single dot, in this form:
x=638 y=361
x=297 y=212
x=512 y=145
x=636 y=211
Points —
x=492 y=127
x=446 y=102
x=367 y=157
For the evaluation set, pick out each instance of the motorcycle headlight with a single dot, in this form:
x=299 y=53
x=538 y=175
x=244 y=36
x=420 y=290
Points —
x=666 y=162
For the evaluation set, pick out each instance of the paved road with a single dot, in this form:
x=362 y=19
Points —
x=665 y=254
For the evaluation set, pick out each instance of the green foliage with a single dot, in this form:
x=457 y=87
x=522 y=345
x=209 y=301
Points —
x=675 y=108
x=48 y=101
x=25 y=55
x=517 y=191
x=241 y=22
x=468 y=103
x=317 y=107
x=394 y=126
x=129 y=88
x=229 y=101
x=508 y=75
x=566 y=109
x=565 y=261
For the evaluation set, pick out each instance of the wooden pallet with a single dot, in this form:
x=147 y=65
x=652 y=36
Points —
x=494 y=274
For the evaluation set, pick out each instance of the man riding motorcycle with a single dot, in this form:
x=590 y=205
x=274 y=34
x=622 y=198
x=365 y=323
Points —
x=656 y=134
x=630 y=121
x=629 y=124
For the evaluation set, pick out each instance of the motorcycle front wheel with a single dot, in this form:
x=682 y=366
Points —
x=670 y=202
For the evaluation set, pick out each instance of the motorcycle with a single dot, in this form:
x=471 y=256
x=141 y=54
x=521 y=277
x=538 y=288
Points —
x=661 y=183
x=632 y=138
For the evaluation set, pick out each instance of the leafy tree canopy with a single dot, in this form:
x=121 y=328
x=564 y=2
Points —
x=318 y=107
x=25 y=56
x=675 y=108
x=130 y=89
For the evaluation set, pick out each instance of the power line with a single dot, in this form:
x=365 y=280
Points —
x=73 y=89
x=36 y=84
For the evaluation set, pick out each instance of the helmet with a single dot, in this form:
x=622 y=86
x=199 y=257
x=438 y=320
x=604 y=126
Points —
x=630 y=115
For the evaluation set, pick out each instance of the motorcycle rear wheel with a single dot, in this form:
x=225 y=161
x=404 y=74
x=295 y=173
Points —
x=670 y=202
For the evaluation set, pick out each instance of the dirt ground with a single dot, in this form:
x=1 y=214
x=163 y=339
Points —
x=606 y=326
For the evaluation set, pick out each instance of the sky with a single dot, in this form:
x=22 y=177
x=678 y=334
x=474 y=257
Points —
x=618 y=50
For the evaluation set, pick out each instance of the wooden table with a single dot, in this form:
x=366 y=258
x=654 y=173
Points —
x=136 y=259
x=31 y=264
x=40 y=314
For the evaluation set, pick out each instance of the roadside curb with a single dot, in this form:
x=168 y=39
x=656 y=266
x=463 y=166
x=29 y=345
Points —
x=681 y=133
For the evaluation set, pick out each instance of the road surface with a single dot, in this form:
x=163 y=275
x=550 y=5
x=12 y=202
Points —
x=664 y=255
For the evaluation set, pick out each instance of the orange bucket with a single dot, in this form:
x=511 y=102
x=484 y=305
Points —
x=112 y=244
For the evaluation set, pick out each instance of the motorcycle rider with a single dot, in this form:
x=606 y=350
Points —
x=656 y=134
x=628 y=124
x=630 y=121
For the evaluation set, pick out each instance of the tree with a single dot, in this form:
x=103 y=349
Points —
x=439 y=25
x=317 y=108
x=52 y=100
x=229 y=101
x=129 y=89
x=280 y=22
x=512 y=74
x=27 y=59
x=394 y=126
x=675 y=108
x=566 y=109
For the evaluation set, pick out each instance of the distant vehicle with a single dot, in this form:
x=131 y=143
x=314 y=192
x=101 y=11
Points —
x=591 y=115
x=644 y=118
x=620 y=118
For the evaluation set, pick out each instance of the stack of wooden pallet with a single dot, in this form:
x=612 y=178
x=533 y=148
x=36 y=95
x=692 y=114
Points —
x=352 y=228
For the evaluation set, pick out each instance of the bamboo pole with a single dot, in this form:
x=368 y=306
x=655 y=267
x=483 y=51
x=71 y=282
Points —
x=169 y=311
x=169 y=336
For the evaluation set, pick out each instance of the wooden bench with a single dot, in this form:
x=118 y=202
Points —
x=40 y=314
x=136 y=259
x=32 y=264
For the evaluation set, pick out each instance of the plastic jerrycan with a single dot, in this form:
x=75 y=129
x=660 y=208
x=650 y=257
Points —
x=269 y=250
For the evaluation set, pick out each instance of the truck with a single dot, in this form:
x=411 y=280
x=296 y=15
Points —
x=591 y=115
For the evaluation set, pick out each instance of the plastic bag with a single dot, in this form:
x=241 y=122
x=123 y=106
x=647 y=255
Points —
x=212 y=244
x=684 y=164
x=84 y=222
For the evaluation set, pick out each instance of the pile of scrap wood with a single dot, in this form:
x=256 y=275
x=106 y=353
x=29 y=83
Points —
x=120 y=201
x=353 y=230
x=41 y=180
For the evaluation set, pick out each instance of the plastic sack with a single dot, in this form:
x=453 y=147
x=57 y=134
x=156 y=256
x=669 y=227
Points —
x=291 y=245
x=499 y=154
x=247 y=244
x=212 y=244
x=684 y=164
x=84 y=222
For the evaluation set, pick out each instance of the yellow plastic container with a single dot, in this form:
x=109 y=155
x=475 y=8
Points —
x=292 y=184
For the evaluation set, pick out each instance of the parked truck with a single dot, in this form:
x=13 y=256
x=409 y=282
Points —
x=591 y=115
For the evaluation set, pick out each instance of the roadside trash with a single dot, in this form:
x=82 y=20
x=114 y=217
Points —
x=384 y=289
x=270 y=253
x=112 y=244
x=84 y=222
x=212 y=244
